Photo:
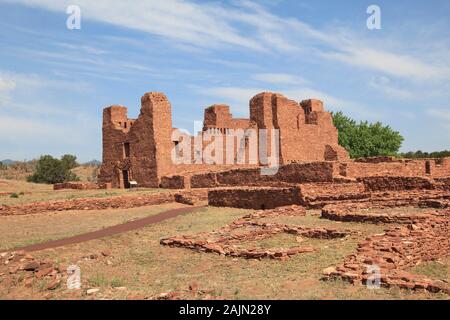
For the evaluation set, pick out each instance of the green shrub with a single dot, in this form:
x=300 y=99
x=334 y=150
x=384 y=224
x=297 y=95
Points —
x=51 y=170
x=366 y=139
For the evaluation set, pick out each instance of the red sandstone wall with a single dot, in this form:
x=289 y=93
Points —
x=219 y=116
x=440 y=167
x=306 y=134
x=306 y=131
x=173 y=182
x=148 y=138
x=292 y=173
x=254 y=198
x=78 y=186
x=332 y=191
x=396 y=183
x=388 y=166
x=395 y=168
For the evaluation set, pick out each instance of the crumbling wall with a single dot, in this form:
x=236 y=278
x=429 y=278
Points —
x=173 y=182
x=399 y=167
x=440 y=167
x=393 y=183
x=397 y=250
x=256 y=198
x=306 y=131
x=332 y=191
x=385 y=166
x=218 y=116
x=79 y=186
x=293 y=173
x=141 y=148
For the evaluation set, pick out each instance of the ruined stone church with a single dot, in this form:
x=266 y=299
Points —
x=141 y=149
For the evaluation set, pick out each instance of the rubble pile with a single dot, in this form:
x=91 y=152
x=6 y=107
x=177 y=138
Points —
x=397 y=250
x=20 y=266
x=225 y=241
x=366 y=213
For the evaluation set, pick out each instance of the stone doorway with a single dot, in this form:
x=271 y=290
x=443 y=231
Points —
x=125 y=179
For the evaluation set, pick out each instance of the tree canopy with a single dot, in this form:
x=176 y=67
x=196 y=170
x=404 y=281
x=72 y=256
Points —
x=366 y=139
x=51 y=170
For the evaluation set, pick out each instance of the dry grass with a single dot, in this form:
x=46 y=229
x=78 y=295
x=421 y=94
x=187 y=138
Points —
x=145 y=267
x=86 y=173
x=439 y=269
x=21 y=170
x=33 y=192
x=18 y=171
x=19 y=186
x=17 y=231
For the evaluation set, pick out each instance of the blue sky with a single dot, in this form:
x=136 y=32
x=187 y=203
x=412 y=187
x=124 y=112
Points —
x=54 y=82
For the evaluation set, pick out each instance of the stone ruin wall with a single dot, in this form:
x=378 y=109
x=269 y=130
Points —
x=309 y=149
x=141 y=148
x=140 y=158
x=390 y=166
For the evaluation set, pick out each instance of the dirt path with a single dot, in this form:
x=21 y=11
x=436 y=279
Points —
x=131 y=225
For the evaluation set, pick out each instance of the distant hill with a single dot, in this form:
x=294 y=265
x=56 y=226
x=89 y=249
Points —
x=7 y=161
x=92 y=163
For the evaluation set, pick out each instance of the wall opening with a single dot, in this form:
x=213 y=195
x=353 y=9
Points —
x=126 y=150
x=427 y=167
x=126 y=179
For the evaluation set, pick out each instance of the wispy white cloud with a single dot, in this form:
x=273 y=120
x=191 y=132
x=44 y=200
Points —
x=333 y=103
x=279 y=78
x=400 y=65
x=214 y=25
x=28 y=81
x=385 y=86
x=239 y=99
x=6 y=86
x=19 y=129
x=200 y=24
x=85 y=48
x=439 y=113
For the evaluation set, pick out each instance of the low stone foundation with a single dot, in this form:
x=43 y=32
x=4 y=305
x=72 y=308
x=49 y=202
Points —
x=123 y=202
x=224 y=242
x=289 y=174
x=172 y=182
x=361 y=213
x=80 y=186
x=254 y=198
x=397 y=250
x=397 y=183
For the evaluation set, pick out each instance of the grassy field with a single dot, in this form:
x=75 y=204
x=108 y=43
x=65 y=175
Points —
x=21 y=170
x=144 y=267
x=22 y=230
x=26 y=192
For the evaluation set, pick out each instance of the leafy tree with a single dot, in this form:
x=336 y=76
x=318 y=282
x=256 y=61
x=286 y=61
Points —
x=366 y=139
x=51 y=170
x=3 y=166
x=69 y=161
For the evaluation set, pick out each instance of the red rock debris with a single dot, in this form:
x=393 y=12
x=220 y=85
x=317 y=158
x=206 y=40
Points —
x=397 y=250
x=183 y=196
x=224 y=242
